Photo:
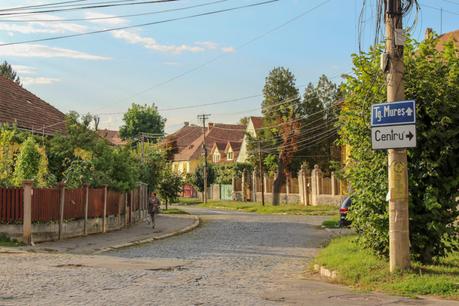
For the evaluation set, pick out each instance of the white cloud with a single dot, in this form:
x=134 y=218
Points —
x=113 y=21
x=36 y=26
x=38 y=81
x=22 y=69
x=150 y=43
x=34 y=50
x=207 y=44
x=228 y=49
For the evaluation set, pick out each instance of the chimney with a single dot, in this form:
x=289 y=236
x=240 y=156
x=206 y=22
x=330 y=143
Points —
x=428 y=33
x=186 y=123
x=211 y=125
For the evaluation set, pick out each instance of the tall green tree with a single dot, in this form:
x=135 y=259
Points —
x=31 y=164
x=281 y=108
x=141 y=119
x=7 y=71
x=170 y=186
x=432 y=79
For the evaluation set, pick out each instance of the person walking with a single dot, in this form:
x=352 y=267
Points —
x=153 y=207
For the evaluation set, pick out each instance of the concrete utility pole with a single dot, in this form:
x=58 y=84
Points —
x=399 y=244
x=261 y=175
x=204 y=117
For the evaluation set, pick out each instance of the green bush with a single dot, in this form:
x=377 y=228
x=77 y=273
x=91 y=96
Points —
x=432 y=79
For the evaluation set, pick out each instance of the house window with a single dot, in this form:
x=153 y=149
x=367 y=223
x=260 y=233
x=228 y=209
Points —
x=216 y=157
x=229 y=156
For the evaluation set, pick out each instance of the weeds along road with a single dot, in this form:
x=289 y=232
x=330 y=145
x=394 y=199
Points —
x=231 y=259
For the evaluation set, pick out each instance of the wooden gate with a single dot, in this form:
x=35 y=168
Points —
x=226 y=192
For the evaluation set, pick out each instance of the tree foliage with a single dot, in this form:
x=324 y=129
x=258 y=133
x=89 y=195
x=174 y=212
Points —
x=198 y=176
x=8 y=72
x=170 y=185
x=31 y=164
x=432 y=79
x=280 y=109
x=141 y=119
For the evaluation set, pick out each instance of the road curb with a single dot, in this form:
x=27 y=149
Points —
x=189 y=228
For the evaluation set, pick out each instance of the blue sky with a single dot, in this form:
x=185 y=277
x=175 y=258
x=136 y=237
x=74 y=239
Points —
x=105 y=73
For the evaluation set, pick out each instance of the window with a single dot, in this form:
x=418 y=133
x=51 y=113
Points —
x=229 y=156
x=216 y=157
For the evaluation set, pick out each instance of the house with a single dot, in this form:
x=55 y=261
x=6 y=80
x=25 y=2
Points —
x=113 y=137
x=189 y=141
x=27 y=111
x=178 y=143
x=254 y=124
x=223 y=153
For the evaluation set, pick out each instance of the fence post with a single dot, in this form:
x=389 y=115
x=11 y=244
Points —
x=104 y=219
x=301 y=186
x=254 y=185
x=125 y=209
x=86 y=207
x=61 y=210
x=333 y=184
x=27 y=217
x=287 y=187
x=131 y=217
x=316 y=181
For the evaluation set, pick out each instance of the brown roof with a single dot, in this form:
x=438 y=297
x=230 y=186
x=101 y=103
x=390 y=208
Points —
x=20 y=106
x=112 y=136
x=257 y=122
x=218 y=133
x=442 y=39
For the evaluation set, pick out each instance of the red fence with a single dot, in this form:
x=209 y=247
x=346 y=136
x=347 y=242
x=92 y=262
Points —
x=46 y=203
x=11 y=205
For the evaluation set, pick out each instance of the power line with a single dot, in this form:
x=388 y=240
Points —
x=241 y=46
x=439 y=9
x=40 y=5
x=140 y=25
x=115 y=17
x=96 y=6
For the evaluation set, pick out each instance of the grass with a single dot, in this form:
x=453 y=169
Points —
x=173 y=211
x=288 y=209
x=359 y=268
x=332 y=222
x=189 y=201
x=8 y=242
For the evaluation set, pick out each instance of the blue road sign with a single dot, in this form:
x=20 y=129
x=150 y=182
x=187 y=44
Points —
x=394 y=113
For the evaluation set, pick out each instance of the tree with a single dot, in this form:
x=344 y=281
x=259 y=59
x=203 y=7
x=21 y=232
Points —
x=432 y=79
x=8 y=72
x=280 y=108
x=198 y=176
x=170 y=186
x=319 y=112
x=141 y=119
x=31 y=164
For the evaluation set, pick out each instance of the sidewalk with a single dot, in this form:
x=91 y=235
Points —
x=166 y=226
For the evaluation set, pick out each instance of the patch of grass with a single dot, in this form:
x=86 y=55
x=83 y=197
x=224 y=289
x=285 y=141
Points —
x=331 y=223
x=5 y=241
x=173 y=211
x=287 y=209
x=189 y=201
x=360 y=268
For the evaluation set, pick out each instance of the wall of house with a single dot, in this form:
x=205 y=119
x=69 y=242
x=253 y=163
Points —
x=243 y=154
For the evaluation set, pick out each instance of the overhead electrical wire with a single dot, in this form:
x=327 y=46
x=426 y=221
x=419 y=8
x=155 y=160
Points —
x=139 y=25
x=87 y=7
x=117 y=16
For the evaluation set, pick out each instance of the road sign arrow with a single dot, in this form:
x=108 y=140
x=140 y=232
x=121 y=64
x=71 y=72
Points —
x=409 y=111
x=410 y=135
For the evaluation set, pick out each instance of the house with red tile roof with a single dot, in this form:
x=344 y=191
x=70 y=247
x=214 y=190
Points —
x=254 y=124
x=22 y=108
x=224 y=153
x=113 y=137
x=189 y=142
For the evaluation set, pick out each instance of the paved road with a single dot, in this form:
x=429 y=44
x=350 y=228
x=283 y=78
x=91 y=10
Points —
x=232 y=259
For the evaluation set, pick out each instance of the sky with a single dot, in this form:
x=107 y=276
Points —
x=213 y=58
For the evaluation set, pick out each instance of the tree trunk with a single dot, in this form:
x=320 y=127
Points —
x=278 y=181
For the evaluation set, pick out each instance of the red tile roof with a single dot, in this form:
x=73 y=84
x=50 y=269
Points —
x=442 y=39
x=112 y=136
x=218 y=133
x=257 y=122
x=27 y=111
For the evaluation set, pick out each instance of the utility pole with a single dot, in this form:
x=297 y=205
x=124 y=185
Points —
x=204 y=117
x=262 y=177
x=399 y=249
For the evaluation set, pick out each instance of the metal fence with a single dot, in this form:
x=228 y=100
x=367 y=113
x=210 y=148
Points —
x=11 y=209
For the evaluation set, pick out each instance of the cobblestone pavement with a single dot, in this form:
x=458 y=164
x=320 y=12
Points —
x=231 y=259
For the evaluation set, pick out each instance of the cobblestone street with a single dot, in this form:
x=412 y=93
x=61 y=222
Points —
x=231 y=259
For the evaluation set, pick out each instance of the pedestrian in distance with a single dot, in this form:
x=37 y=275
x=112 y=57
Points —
x=153 y=207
